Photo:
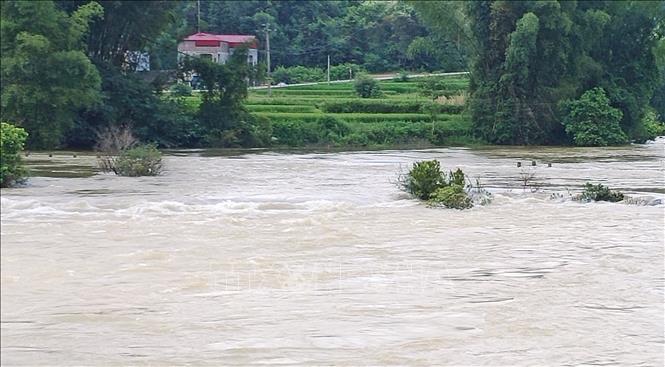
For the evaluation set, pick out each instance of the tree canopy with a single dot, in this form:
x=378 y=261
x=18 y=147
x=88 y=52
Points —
x=374 y=34
x=530 y=56
x=46 y=75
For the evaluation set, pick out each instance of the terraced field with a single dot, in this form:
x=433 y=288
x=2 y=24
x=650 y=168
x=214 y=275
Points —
x=332 y=114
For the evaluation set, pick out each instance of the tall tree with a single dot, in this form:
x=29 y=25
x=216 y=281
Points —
x=222 y=112
x=127 y=99
x=45 y=75
x=126 y=26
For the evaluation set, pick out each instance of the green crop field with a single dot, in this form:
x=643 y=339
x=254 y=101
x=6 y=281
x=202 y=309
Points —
x=334 y=114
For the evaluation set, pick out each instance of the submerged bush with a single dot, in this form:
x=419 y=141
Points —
x=599 y=193
x=427 y=182
x=424 y=179
x=121 y=155
x=144 y=160
x=12 y=140
x=452 y=196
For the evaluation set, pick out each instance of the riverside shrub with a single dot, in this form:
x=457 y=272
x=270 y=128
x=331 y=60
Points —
x=12 y=141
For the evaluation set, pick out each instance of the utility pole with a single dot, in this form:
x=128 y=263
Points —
x=198 y=16
x=267 y=30
x=328 y=68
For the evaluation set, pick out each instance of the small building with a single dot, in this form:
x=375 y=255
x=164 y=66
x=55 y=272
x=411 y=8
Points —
x=218 y=47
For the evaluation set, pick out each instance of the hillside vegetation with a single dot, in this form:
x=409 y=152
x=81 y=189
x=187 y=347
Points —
x=332 y=114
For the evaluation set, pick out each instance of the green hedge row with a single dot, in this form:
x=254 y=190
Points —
x=388 y=106
x=394 y=87
x=314 y=92
x=292 y=92
x=282 y=108
x=337 y=105
x=412 y=84
x=329 y=131
x=351 y=117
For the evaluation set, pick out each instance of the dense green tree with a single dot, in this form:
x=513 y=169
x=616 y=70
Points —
x=530 y=56
x=129 y=101
x=46 y=76
x=126 y=98
x=591 y=121
x=125 y=26
x=658 y=100
x=630 y=72
x=12 y=140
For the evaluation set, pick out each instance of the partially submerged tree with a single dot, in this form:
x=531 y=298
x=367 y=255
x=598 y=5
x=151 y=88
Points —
x=120 y=153
x=425 y=181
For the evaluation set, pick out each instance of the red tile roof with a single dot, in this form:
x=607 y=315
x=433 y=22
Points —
x=232 y=39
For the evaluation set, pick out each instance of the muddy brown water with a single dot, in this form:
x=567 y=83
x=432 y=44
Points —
x=308 y=258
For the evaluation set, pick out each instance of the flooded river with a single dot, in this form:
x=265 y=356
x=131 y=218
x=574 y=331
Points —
x=317 y=258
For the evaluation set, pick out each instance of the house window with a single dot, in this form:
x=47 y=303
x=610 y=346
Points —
x=206 y=56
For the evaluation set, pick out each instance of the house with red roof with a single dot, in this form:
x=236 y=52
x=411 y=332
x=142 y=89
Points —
x=218 y=47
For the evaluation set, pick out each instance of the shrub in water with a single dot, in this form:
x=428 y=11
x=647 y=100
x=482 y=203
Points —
x=453 y=197
x=367 y=87
x=427 y=182
x=600 y=193
x=424 y=179
x=144 y=160
x=12 y=139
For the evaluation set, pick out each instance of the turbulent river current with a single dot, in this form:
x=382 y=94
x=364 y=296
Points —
x=313 y=258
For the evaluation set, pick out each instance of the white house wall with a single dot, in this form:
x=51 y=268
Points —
x=219 y=54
